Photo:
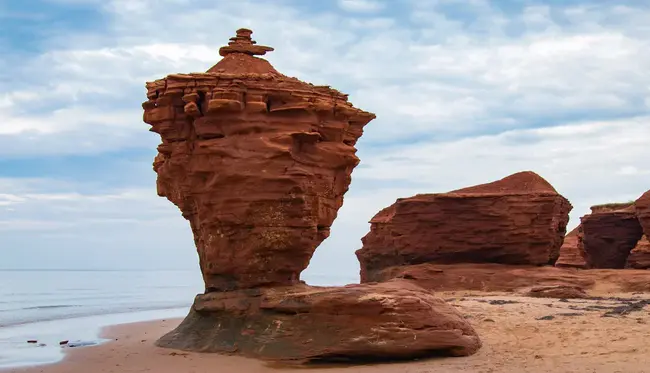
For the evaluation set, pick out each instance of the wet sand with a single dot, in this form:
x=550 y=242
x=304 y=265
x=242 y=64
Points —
x=519 y=334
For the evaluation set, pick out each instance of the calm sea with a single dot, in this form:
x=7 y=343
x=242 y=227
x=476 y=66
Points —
x=51 y=306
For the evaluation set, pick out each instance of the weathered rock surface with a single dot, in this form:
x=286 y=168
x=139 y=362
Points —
x=557 y=291
x=491 y=277
x=609 y=233
x=639 y=257
x=520 y=219
x=258 y=163
x=642 y=209
x=308 y=324
x=571 y=254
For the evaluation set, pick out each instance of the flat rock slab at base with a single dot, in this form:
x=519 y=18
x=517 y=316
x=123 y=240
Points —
x=303 y=324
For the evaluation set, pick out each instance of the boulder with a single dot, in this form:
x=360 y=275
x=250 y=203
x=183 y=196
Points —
x=303 y=324
x=571 y=253
x=520 y=219
x=639 y=257
x=609 y=233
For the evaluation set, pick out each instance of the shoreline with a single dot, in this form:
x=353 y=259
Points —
x=86 y=331
x=518 y=334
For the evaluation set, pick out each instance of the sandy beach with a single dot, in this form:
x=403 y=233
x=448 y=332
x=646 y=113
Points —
x=520 y=334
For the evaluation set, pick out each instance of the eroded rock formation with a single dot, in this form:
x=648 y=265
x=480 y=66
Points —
x=609 y=233
x=258 y=163
x=571 y=253
x=520 y=219
x=639 y=257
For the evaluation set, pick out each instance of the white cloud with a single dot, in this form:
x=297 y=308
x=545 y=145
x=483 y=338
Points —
x=458 y=104
x=361 y=5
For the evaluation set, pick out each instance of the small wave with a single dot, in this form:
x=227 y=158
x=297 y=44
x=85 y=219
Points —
x=91 y=312
x=51 y=306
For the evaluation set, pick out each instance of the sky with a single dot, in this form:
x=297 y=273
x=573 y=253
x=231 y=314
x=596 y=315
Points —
x=465 y=92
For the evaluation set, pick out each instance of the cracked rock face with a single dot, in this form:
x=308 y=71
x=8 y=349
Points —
x=520 y=219
x=258 y=163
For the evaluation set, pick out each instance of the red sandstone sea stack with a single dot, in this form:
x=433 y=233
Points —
x=258 y=163
x=520 y=219
x=642 y=209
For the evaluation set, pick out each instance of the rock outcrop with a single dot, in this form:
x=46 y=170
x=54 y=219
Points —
x=571 y=253
x=639 y=257
x=557 y=291
x=642 y=209
x=258 y=163
x=395 y=319
x=609 y=233
x=520 y=219
x=490 y=277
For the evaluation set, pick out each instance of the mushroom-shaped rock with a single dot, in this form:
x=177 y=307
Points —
x=258 y=163
x=609 y=233
x=520 y=219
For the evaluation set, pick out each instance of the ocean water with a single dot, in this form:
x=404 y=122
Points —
x=55 y=305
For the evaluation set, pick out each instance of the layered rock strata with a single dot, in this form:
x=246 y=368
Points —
x=520 y=219
x=642 y=209
x=571 y=252
x=609 y=233
x=258 y=163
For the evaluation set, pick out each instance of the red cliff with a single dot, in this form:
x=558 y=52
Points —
x=258 y=163
x=520 y=219
x=609 y=233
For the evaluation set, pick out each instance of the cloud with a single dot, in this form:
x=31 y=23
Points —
x=465 y=93
x=361 y=5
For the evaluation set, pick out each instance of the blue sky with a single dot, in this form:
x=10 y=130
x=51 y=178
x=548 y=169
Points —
x=465 y=92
